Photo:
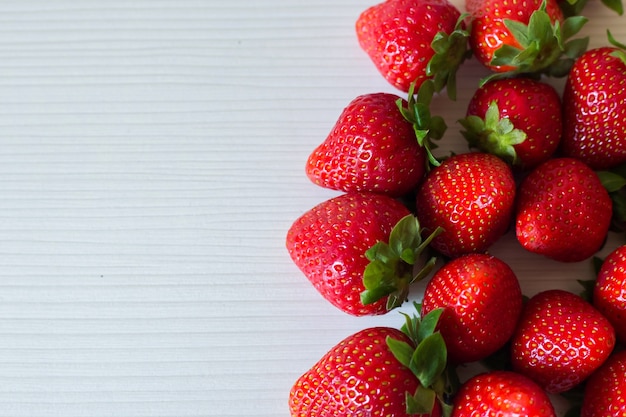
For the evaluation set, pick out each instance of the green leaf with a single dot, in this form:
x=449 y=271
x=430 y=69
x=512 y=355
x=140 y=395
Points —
x=494 y=135
x=450 y=51
x=412 y=324
x=379 y=251
x=390 y=270
x=597 y=262
x=429 y=359
x=405 y=238
x=543 y=45
x=572 y=25
x=429 y=324
x=540 y=28
x=425 y=94
x=615 y=5
x=519 y=30
x=588 y=286
x=611 y=181
x=437 y=129
x=425 y=270
x=375 y=294
x=422 y=402
x=505 y=55
x=402 y=351
x=576 y=47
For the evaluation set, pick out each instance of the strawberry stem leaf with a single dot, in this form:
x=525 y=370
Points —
x=390 y=271
x=611 y=180
x=451 y=50
x=402 y=351
x=416 y=110
x=615 y=5
x=428 y=324
x=426 y=357
x=429 y=359
x=493 y=134
x=421 y=402
x=545 y=48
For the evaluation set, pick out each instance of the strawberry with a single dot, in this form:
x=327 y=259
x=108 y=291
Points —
x=410 y=41
x=481 y=300
x=594 y=111
x=563 y=212
x=373 y=146
x=524 y=36
x=470 y=196
x=378 y=371
x=517 y=119
x=604 y=393
x=560 y=340
x=609 y=290
x=503 y=394
x=358 y=243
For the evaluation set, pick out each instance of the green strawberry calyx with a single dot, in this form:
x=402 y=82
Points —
x=575 y=7
x=451 y=50
x=426 y=357
x=416 y=110
x=545 y=47
x=620 y=51
x=392 y=267
x=493 y=134
x=614 y=181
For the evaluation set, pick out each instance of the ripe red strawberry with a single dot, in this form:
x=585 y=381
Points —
x=503 y=394
x=481 y=300
x=335 y=243
x=604 y=392
x=560 y=340
x=471 y=197
x=594 y=109
x=563 y=212
x=514 y=37
x=373 y=146
x=609 y=291
x=379 y=371
x=410 y=41
x=518 y=119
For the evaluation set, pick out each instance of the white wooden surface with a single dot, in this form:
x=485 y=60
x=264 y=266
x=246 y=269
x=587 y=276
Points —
x=151 y=161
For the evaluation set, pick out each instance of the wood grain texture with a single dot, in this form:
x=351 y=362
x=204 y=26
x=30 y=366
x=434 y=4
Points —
x=151 y=161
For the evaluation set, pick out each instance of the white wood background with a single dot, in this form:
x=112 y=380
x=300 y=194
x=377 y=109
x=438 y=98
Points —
x=151 y=161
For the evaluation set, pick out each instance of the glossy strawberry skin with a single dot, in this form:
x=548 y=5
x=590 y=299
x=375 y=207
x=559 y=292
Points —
x=371 y=148
x=489 y=32
x=503 y=394
x=482 y=301
x=563 y=212
x=610 y=289
x=594 y=101
x=397 y=36
x=604 y=392
x=471 y=196
x=328 y=244
x=561 y=340
x=358 y=377
x=533 y=107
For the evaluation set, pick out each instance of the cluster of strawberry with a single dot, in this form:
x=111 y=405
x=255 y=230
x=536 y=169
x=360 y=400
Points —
x=549 y=165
